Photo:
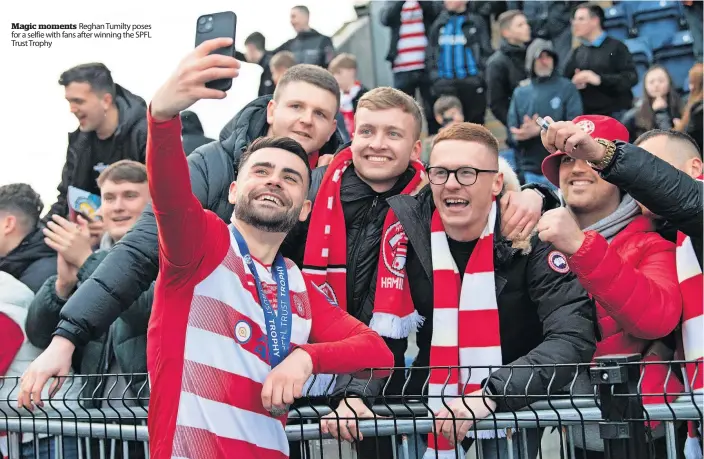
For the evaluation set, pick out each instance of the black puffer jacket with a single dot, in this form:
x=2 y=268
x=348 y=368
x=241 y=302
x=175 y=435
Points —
x=505 y=69
x=128 y=142
x=133 y=264
x=310 y=47
x=664 y=190
x=545 y=317
x=125 y=341
x=31 y=262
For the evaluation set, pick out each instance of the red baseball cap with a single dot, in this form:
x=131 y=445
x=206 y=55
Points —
x=600 y=126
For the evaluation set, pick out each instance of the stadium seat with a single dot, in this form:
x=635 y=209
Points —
x=676 y=54
x=642 y=58
x=657 y=21
x=616 y=22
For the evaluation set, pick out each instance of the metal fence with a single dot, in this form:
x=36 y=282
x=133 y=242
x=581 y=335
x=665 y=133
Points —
x=604 y=411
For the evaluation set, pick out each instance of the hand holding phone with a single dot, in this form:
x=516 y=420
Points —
x=218 y=25
x=188 y=84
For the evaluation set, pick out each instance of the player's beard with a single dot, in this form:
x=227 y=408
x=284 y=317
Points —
x=280 y=220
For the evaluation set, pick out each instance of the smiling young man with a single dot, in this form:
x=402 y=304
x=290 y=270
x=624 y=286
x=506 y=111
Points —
x=510 y=309
x=112 y=127
x=124 y=192
x=230 y=309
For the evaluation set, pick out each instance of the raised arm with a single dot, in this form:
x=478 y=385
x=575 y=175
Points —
x=663 y=189
x=168 y=181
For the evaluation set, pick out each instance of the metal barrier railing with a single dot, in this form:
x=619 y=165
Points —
x=611 y=416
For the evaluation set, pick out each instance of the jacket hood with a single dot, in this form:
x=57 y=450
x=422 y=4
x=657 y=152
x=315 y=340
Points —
x=250 y=123
x=132 y=109
x=31 y=249
x=190 y=123
x=533 y=52
x=14 y=292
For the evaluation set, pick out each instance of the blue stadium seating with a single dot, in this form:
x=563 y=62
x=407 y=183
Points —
x=643 y=58
x=677 y=56
x=657 y=20
x=617 y=23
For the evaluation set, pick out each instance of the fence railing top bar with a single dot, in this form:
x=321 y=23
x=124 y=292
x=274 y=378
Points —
x=369 y=427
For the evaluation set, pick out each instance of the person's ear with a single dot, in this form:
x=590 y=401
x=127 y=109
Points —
x=270 y=107
x=8 y=224
x=305 y=210
x=694 y=168
x=232 y=193
x=498 y=185
x=415 y=151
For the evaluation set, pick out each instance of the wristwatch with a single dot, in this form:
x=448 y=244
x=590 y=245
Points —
x=608 y=156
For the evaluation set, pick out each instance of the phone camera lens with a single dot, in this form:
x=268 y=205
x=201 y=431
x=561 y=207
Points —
x=201 y=20
x=208 y=27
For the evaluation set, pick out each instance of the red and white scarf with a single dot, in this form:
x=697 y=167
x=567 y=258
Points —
x=347 y=106
x=467 y=312
x=325 y=259
x=689 y=274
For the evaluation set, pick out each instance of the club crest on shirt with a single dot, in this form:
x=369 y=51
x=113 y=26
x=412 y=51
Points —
x=327 y=290
x=299 y=306
x=243 y=332
x=558 y=262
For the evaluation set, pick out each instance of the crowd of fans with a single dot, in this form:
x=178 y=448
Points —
x=587 y=243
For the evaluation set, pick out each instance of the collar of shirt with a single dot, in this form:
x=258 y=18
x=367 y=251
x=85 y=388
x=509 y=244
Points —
x=597 y=42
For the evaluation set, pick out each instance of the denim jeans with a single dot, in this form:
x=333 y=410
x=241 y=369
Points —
x=491 y=449
x=46 y=448
x=530 y=177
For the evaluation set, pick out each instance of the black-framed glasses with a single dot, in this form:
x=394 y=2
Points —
x=464 y=175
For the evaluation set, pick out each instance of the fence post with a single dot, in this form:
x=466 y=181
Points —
x=617 y=379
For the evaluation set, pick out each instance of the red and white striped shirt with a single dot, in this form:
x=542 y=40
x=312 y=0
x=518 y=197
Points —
x=412 y=40
x=206 y=346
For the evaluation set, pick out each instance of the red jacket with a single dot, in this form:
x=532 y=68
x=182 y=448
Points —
x=634 y=282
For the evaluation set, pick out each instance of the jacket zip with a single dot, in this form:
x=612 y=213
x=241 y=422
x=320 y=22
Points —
x=355 y=247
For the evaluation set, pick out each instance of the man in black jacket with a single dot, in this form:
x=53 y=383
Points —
x=506 y=68
x=601 y=67
x=23 y=253
x=255 y=45
x=459 y=45
x=112 y=126
x=309 y=46
x=544 y=314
